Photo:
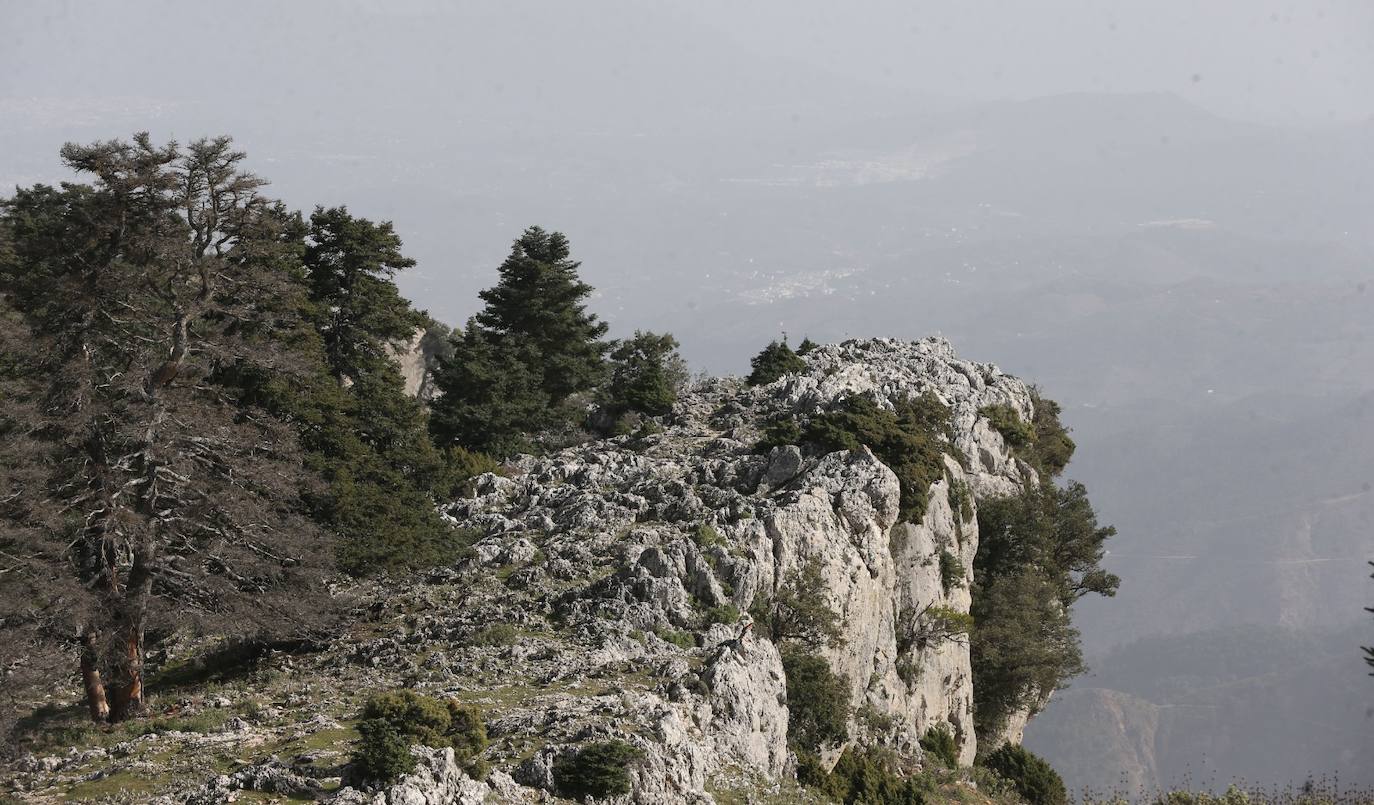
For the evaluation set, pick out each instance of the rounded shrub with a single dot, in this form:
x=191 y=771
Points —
x=1032 y=777
x=938 y=743
x=391 y=722
x=382 y=752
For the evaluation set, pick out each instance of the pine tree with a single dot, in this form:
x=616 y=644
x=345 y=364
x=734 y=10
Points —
x=776 y=360
x=540 y=302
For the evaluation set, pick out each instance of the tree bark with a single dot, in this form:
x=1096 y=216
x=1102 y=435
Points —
x=128 y=691
x=90 y=678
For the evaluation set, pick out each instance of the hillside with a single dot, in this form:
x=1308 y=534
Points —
x=601 y=599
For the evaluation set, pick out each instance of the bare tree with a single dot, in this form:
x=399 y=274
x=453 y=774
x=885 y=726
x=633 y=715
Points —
x=144 y=489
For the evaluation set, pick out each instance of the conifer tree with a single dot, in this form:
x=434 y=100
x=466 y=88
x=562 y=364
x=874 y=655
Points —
x=540 y=301
x=776 y=360
x=351 y=265
x=150 y=492
x=491 y=394
x=646 y=372
x=518 y=361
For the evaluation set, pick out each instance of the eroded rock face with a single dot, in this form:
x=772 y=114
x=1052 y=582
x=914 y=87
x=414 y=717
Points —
x=646 y=548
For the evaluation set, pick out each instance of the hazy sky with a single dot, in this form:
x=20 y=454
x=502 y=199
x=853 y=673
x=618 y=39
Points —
x=1271 y=60
x=1305 y=61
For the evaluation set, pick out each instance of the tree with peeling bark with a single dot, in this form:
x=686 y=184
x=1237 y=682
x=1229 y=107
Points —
x=144 y=491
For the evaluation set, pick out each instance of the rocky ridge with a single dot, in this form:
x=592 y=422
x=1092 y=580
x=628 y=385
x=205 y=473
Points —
x=601 y=596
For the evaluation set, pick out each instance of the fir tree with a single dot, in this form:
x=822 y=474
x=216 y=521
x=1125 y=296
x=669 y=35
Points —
x=351 y=264
x=491 y=395
x=540 y=302
x=153 y=492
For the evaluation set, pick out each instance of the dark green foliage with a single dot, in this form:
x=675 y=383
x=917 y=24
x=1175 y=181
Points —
x=779 y=432
x=460 y=467
x=911 y=440
x=1005 y=420
x=492 y=398
x=1038 y=553
x=938 y=743
x=1052 y=448
x=951 y=570
x=646 y=372
x=391 y=722
x=706 y=536
x=961 y=499
x=596 y=770
x=1032 y=777
x=1051 y=528
x=868 y=776
x=776 y=360
x=511 y=371
x=817 y=701
x=351 y=263
x=1024 y=645
x=144 y=490
x=367 y=439
x=680 y=639
x=799 y=610
x=541 y=300
x=382 y=752
x=806 y=346
x=725 y=613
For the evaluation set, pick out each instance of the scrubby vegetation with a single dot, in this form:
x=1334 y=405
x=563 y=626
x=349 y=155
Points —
x=911 y=439
x=392 y=722
x=1032 y=777
x=1005 y=420
x=872 y=776
x=951 y=570
x=817 y=701
x=646 y=373
x=774 y=362
x=596 y=770
x=938 y=743
x=1038 y=553
x=799 y=611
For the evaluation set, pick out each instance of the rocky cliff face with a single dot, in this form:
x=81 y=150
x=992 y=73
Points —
x=603 y=591
x=630 y=544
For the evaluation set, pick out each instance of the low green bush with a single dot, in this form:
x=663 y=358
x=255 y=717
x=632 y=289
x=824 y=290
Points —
x=495 y=635
x=706 y=536
x=938 y=743
x=1005 y=420
x=776 y=360
x=725 y=613
x=951 y=570
x=1030 y=775
x=391 y=722
x=382 y=752
x=597 y=770
x=870 y=776
x=680 y=639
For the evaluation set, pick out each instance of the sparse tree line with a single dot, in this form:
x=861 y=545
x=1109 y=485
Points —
x=201 y=422
x=200 y=419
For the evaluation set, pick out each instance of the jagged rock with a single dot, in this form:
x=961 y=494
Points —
x=634 y=506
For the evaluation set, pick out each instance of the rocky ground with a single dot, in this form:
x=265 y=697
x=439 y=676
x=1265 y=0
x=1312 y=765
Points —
x=603 y=597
